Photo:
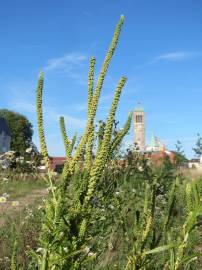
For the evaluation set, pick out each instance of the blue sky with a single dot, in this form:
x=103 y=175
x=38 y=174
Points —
x=159 y=51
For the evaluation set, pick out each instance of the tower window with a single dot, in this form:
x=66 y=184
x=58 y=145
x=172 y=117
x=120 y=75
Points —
x=139 y=118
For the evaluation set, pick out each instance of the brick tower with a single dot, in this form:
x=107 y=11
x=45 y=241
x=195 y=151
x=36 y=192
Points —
x=139 y=127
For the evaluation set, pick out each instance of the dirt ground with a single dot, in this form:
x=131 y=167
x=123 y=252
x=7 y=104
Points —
x=7 y=208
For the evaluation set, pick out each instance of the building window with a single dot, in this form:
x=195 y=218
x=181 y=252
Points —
x=139 y=118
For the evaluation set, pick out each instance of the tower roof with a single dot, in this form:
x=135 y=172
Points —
x=139 y=108
x=153 y=141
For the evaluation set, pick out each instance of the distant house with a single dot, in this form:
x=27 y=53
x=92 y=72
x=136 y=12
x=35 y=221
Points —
x=57 y=163
x=158 y=156
x=195 y=163
x=5 y=136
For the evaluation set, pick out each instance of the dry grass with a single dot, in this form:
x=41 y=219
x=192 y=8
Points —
x=192 y=173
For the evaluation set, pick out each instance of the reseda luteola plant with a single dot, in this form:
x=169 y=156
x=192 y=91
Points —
x=168 y=238
x=68 y=213
x=69 y=145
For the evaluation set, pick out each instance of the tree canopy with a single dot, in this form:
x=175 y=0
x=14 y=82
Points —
x=21 y=130
x=180 y=157
x=198 y=146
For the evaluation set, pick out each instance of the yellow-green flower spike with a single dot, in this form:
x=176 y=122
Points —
x=68 y=168
x=72 y=144
x=64 y=135
x=117 y=140
x=105 y=66
x=149 y=222
x=89 y=150
x=39 y=94
x=109 y=124
x=91 y=81
x=102 y=155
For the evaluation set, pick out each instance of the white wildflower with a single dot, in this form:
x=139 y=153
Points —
x=2 y=199
x=65 y=249
x=15 y=203
x=87 y=249
x=91 y=254
x=51 y=188
x=6 y=195
x=40 y=249
x=140 y=169
x=28 y=150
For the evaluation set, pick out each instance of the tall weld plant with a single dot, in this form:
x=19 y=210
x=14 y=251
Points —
x=68 y=144
x=69 y=168
x=65 y=231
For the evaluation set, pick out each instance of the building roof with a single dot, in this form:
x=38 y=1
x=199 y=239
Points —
x=4 y=127
x=197 y=160
x=153 y=141
x=139 y=108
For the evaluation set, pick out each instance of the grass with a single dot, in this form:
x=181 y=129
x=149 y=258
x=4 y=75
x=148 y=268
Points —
x=192 y=173
x=19 y=193
x=25 y=228
x=22 y=222
x=116 y=231
x=18 y=189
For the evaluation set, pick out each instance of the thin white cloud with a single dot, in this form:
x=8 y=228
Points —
x=71 y=121
x=66 y=62
x=21 y=97
x=50 y=114
x=173 y=56
x=73 y=65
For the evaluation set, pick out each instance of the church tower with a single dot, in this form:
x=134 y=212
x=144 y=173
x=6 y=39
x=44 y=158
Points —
x=139 y=127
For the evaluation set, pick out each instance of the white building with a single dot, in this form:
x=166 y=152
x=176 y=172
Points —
x=195 y=163
x=155 y=145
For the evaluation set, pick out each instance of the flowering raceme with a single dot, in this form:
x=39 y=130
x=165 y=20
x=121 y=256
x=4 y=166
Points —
x=68 y=210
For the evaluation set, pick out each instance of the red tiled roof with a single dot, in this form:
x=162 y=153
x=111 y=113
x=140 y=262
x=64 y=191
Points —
x=157 y=157
x=54 y=161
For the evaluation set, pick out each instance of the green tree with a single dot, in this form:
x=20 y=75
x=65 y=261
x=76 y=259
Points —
x=179 y=154
x=198 y=147
x=21 y=130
